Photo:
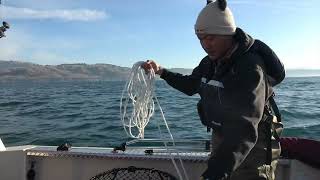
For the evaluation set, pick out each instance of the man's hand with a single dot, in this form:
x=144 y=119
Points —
x=150 y=64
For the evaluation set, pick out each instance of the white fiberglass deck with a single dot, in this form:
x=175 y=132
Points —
x=108 y=153
x=82 y=163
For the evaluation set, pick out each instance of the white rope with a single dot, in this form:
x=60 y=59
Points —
x=138 y=101
x=139 y=94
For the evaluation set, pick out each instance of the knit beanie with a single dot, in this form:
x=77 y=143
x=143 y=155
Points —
x=215 y=18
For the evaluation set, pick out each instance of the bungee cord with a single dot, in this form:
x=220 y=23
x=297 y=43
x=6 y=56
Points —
x=137 y=107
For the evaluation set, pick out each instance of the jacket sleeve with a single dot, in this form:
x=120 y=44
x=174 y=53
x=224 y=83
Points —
x=188 y=84
x=242 y=109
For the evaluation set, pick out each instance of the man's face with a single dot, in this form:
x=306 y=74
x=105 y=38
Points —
x=215 y=45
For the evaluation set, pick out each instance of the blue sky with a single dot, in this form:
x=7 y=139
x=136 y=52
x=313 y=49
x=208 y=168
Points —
x=123 y=32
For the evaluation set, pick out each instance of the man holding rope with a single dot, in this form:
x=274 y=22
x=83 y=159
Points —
x=234 y=85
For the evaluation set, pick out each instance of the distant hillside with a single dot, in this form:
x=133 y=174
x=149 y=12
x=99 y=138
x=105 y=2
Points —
x=14 y=70
x=181 y=70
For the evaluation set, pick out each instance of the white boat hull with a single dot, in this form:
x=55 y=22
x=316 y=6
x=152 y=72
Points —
x=83 y=163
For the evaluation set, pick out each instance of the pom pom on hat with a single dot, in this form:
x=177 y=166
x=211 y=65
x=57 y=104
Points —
x=215 y=18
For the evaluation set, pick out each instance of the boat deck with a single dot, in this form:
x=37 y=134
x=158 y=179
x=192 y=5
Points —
x=135 y=153
x=83 y=163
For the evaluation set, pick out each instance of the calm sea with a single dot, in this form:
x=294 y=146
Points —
x=86 y=113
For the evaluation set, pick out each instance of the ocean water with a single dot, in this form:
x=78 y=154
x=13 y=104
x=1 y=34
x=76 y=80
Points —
x=86 y=113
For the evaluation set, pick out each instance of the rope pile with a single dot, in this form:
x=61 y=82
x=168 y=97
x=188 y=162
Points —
x=137 y=107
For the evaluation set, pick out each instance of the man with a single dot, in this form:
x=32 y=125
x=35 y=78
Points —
x=234 y=82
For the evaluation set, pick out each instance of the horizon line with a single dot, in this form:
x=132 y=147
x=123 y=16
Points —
x=318 y=69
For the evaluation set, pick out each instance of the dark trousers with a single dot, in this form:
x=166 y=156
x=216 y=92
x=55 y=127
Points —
x=254 y=167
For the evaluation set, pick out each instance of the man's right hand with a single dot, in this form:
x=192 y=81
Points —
x=150 y=64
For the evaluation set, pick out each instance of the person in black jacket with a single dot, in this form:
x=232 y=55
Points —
x=235 y=82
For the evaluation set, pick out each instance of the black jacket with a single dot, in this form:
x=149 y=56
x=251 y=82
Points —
x=233 y=96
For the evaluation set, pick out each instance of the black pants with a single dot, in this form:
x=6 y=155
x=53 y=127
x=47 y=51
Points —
x=254 y=166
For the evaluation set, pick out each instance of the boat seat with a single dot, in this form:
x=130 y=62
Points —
x=133 y=173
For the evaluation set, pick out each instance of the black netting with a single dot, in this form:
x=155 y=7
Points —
x=133 y=173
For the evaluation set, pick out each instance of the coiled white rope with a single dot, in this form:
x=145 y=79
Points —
x=139 y=94
x=138 y=100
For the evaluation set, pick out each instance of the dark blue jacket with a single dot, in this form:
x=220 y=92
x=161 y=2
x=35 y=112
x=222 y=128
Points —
x=233 y=96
